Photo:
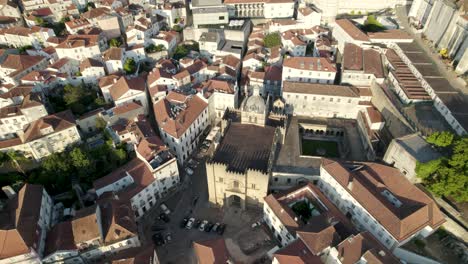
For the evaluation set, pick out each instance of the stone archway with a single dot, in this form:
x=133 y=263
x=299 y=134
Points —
x=235 y=201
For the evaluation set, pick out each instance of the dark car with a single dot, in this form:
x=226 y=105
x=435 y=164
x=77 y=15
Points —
x=208 y=227
x=158 y=239
x=164 y=217
x=221 y=229
x=197 y=223
x=183 y=223
x=157 y=228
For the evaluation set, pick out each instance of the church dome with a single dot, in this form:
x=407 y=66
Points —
x=255 y=104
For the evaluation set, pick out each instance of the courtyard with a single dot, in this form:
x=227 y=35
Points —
x=324 y=148
x=244 y=243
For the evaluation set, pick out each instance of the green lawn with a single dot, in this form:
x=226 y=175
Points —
x=310 y=147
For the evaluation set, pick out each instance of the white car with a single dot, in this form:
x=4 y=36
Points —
x=202 y=226
x=190 y=223
x=189 y=171
x=165 y=209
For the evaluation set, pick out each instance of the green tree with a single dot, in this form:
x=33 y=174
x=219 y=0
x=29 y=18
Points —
x=14 y=158
x=129 y=66
x=180 y=52
x=39 y=21
x=100 y=123
x=271 y=40
x=447 y=176
x=79 y=160
x=441 y=139
x=372 y=25
x=177 y=28
x=115 y=42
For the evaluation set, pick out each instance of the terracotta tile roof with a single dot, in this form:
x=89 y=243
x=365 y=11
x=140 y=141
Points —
x=85 y=226
x=113 y=53
x=212 y=251
x=59 y=238
x=364 y=246
x=309 y=64
x=75 y=41
x=109 y=80
x=176 y=125
x=231 y=61
x=390 y=34
x=60 y=63
x=118 y=220
x=90 y=62
x=319 y=89
x=158 y=73
x=197 y=66
x=125 y=108
x=352 y=57
x=219 y=86
x=96 y=12
x=141 y=175
x=58 y=122
x=374 y=115
x=18 y=222
x=367 y=184
x=296 y=253
x=77 y=23
x=373 y=63
x=124 y=84
x=353 y=31
x=135 y=255
x=318 y=236
x=290 y=35
x=20 y=62
x=150 y=146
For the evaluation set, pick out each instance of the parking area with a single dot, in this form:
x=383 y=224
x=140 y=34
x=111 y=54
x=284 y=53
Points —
x=246 y=244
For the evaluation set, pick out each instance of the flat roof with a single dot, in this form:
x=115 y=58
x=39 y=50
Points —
x=244 y=147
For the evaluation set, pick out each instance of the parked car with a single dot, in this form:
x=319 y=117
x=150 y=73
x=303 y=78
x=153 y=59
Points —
x=197 y=223
x=208 y=227
x=215 y=227
x=165 y=209
x=189 y=171
x=190 y=223
x=258 y=223
x=164 y=217
x=221 y=229
x=158 y=239
x=203 y=225
x=184 y=222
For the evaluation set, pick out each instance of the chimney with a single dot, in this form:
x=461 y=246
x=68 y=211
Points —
x=350 y=184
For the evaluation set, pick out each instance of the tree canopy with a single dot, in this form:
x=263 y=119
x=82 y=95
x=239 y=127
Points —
x=82 y=162
x=80 y=99
x=184 y=49
x=272 y=40
x=115 y=42
x=448 y=175
x=372 y=25
x=129 y=66
x=441 y=139
x=155 y=48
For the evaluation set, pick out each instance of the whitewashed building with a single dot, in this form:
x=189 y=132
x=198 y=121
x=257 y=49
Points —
x=181 y=119
x=375 y=196
x=308 y=70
